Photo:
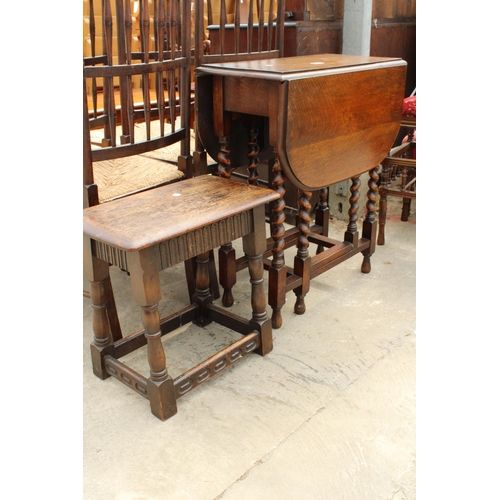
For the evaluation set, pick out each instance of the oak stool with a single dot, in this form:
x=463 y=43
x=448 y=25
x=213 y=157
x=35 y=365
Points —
x=154 y=230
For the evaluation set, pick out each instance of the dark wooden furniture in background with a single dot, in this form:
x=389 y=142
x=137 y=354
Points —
x=305 y=32
x=394 y=34
x=399 y=176
x=312 y=27
x=315 y=27
x=329 y=118
x=156 y=229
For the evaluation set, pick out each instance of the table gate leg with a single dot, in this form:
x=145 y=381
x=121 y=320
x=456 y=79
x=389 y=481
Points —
x=302 y=264
x=370 y=222
x=277 y=271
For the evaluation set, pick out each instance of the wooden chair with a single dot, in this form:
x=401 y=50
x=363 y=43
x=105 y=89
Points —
x=136 y=106
x=134 y=93
x=399 y=176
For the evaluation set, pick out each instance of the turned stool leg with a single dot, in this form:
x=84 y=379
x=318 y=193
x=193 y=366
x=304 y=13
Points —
x=227 y=272
x=102 y=344
x=97 y=272
x=190 y=269
x=370 y=222
x=302 y=263
x=254 y=246
x=202 y=296
x=114 y=323
x=143 y=268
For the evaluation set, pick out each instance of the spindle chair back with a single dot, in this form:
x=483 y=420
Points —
x=136 y=117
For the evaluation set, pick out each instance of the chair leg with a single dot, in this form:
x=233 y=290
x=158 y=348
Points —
x=145 y=280
x=405 y=212
x=382 y=211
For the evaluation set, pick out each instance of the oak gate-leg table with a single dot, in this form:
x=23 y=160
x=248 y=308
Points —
x=328 y=118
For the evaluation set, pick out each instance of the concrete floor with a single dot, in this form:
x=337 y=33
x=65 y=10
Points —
x=328 y=414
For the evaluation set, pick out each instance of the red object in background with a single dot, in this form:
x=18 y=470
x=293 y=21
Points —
x=410 y=106
x=410 y=109
x=405 y=138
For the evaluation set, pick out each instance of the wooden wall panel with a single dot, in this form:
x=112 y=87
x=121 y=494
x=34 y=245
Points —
x=397 y=40
x=393 y=9
x=313 y=37
x=393 y=36
x=381 y=9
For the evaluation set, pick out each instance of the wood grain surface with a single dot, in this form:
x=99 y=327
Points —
x=340 y=126
x=153 y=216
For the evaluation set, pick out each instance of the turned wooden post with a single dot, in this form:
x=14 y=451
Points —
x=202 y=296
x=370 y=222
x=382 y=207
x=145 y=280
x=352 y=234
x=405 y=212
x=97 y=272
x=227 y=254
x=254 y=246
x=253 y=152
x=322 y=216
x=277 y=271
x=302 y=263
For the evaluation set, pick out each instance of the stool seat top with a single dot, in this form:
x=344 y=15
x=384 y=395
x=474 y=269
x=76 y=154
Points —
x=144 y=219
